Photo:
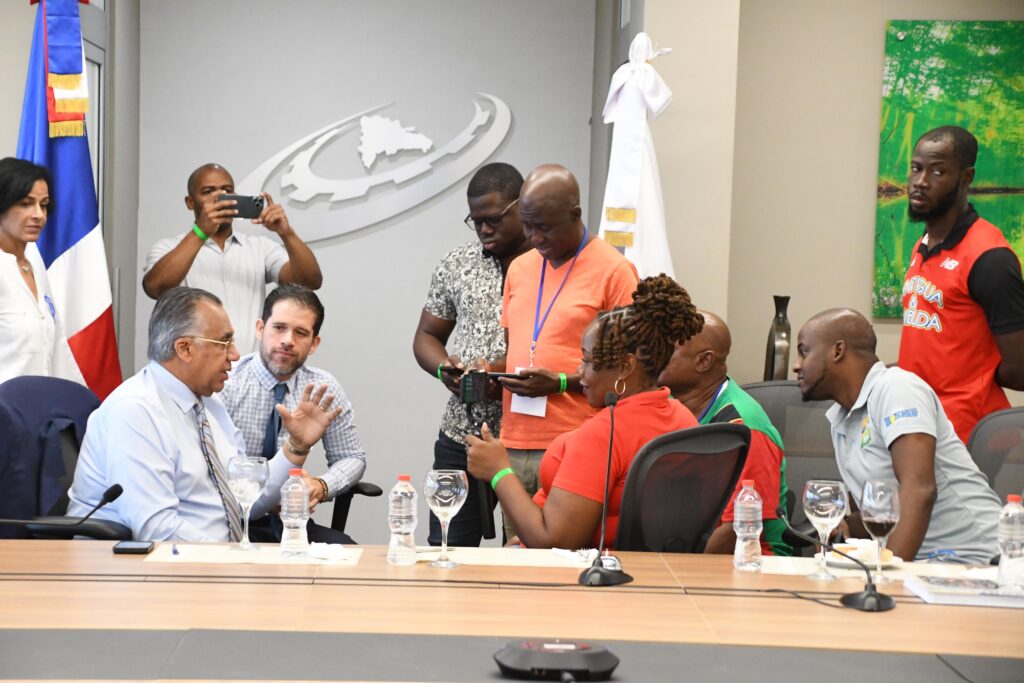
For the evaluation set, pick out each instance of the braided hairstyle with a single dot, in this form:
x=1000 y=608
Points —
x=661 y=315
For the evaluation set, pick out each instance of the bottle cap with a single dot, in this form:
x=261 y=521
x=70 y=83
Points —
x=404 y=477
x=295 y=472
x=1013 y=498
x=748 y=483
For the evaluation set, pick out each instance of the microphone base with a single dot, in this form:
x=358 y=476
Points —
x=603 y=576
x=868 y=600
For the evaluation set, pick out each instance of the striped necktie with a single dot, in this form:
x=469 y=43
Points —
x=232 y=509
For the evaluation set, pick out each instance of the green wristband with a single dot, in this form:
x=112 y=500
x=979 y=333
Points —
x=498 y=476
x=439 y=366
x=199 y=233
x=563 y=382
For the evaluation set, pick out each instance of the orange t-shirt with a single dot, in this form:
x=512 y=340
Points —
x=576 y=461
x=601 y=279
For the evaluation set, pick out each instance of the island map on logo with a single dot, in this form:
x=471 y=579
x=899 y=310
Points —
x=381 y=135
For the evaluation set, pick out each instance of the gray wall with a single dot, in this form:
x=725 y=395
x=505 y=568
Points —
x=213 y=87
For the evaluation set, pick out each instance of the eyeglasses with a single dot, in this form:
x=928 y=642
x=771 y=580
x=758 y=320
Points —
x=493 y=221
x=226 y=343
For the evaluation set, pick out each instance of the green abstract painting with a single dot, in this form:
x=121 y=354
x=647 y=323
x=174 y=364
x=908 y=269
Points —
x=962 y=73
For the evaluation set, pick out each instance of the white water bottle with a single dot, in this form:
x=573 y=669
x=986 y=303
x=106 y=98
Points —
x=402 y=522
x=294 y=515
x=748 y=525
x=1011 y=544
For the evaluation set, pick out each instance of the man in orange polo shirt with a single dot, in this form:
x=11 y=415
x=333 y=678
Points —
x=963 y=297
x=551 y=294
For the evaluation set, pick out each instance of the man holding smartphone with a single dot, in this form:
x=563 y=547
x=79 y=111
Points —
x=235 y=267
x=465 y=299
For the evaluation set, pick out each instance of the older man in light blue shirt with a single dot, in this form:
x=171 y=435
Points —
x=167 y=439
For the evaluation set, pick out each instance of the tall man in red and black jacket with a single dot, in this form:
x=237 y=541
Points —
x=963 y=297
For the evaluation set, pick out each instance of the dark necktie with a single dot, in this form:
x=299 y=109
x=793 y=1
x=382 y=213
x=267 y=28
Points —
x=273 y=422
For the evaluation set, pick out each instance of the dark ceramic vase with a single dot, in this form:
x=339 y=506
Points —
x=776 y=359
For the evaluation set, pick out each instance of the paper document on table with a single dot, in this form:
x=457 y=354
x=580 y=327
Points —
x=529 y=405
x=270 y=553
x=509 y=557
x=798 y=566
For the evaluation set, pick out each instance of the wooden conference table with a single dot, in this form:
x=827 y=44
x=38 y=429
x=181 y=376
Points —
x=54 y=594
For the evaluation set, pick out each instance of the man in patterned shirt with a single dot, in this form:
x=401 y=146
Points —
x=287 y=334
x=465 y=298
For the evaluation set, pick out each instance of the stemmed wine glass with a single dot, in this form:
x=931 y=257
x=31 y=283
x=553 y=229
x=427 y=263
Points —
x=247 y=477
x=824 y=505
x=445 y=491
x=880 y=511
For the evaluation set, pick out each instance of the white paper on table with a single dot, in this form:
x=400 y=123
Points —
x=264 y=553
x=529 y=405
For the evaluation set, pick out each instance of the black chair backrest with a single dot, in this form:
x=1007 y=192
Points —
x=805 y=436
x=997 y=446
x=678 y=485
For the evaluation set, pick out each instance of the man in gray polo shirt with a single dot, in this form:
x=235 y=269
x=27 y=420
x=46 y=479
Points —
x=888 y=424
x=235 y=267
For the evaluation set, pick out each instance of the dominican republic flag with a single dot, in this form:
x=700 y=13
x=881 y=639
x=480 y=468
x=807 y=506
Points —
x=71 y=245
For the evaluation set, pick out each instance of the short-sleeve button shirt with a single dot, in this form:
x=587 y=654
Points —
x=238 y=275
x=466 y=287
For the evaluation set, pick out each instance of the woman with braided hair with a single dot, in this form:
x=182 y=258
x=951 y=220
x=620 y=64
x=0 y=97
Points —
x=624 y=351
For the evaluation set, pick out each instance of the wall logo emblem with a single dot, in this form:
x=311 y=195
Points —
x=353 y=203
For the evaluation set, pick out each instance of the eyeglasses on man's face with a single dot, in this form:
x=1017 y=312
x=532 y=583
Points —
x=493 y=221
x=225 y=343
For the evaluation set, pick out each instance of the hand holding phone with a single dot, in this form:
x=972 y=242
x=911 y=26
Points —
x=247 y=207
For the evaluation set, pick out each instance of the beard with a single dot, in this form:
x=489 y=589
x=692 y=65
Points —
x=281 y=370
x=945 y=203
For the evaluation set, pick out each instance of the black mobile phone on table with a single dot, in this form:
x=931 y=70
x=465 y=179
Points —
x=133 y=547
x=247 y=207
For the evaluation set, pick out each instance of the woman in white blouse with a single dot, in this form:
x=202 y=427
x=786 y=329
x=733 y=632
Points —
x=32 y=340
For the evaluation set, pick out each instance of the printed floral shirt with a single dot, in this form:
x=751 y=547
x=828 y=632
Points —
x=466 y=287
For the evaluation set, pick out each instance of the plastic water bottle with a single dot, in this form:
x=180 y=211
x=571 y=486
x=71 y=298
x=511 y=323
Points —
x=1011 y=544
x=294 y=515
x=747 y=524
x=402 y=522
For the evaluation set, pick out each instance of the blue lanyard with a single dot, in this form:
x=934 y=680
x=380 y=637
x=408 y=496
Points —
x=700 y=420
x=538 y=322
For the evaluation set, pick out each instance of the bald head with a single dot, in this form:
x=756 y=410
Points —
x=549 y=208
x=847 y=325
x=699 y=364
x=196 y=175
x=835 y=352
x=715 y=336
x=551 y=184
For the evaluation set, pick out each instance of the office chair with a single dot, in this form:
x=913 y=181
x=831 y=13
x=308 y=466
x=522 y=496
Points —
x=42 y=424
x=343 y=502
x=997 y=446
x=677 y=487
x=805 y=433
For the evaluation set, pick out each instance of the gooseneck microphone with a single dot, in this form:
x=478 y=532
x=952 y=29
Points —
x=606 y=570
x=868 y=600
x=109 y=496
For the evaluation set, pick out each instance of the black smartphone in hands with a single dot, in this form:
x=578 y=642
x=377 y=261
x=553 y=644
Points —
x=247 y=207
x=499 y=375
x=451 y=370
x=133 y=547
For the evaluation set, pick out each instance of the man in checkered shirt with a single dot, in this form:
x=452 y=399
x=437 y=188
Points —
x=287 y=334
